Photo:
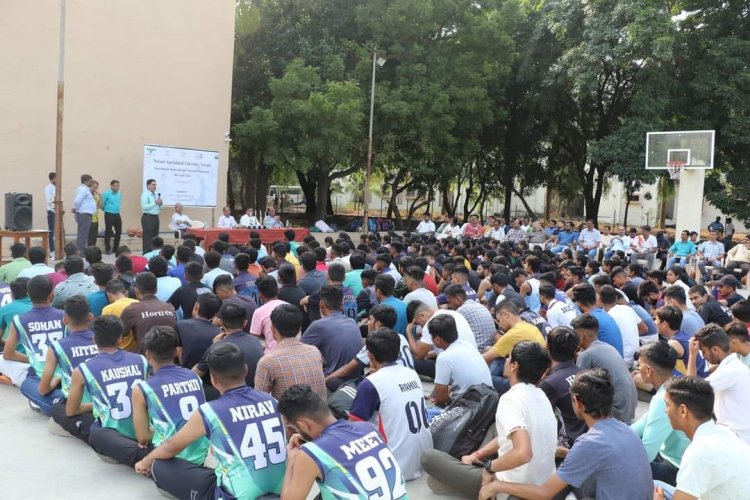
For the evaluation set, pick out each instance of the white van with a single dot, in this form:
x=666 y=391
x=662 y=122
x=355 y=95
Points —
x=292 y=195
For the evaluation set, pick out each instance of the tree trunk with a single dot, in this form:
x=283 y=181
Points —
x=506 y=202
x=309 y=188
x=321 y=194
x=525 y=204
x=262 y=180
x=627 y=208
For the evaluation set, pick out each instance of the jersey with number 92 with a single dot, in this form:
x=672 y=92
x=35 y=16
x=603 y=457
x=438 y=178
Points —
x=355 y=462
x=248 y=440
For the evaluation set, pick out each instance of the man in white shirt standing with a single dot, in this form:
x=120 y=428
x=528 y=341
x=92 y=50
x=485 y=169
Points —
x=715 y=464
x=730 y=380
x=49 y=197
x=426 y=226
x=180 y=222
x=226 y=220
x=645 y=247
x=526 y=435
x=249 y=220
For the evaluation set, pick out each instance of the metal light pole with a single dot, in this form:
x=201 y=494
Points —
x=375 y=63
x=59 y=230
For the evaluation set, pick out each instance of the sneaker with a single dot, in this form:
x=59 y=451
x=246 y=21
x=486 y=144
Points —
x=56 y=429
x=105 y=458
x=35 y=408
x=5 y=380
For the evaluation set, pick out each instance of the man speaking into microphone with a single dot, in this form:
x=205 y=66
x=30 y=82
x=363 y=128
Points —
x=151 y=203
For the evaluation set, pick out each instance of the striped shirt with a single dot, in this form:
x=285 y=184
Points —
x=711 y=249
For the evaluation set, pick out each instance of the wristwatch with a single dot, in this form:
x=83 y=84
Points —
x=487 y=464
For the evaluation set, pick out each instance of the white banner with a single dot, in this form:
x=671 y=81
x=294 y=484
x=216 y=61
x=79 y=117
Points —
x=187 y=176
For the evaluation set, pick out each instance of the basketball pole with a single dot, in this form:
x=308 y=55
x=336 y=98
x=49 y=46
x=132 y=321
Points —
x=59 y=231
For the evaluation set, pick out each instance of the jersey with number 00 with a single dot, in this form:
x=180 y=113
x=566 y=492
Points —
x=70 y=352
x=36 y=330
x=405 y=357
x=110 y=378
x=355 y=462
x=248 y=441
x=393 y=399
x=172 y=395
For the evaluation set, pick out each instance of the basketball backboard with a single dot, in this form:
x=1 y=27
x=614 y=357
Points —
x=692 y=148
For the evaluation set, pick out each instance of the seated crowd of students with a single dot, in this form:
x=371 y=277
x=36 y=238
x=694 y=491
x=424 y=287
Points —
x=159 y=359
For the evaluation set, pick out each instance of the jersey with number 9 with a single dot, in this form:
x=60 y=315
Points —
x=355 y=462
x=248 y=440
x=172 y=395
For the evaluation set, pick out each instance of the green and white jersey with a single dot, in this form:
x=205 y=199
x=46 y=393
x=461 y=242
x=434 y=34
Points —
x=248 y=440
x=70 y=352
x=172 y=395
x=36 y=330
x=110 y=378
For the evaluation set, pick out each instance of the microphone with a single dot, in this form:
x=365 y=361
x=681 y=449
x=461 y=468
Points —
x=158 y=195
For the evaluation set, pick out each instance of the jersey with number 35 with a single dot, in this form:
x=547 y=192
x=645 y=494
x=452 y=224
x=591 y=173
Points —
x=36 y=330
x=248 y=440
x=110 y=378
x=172 y=395
x=355 y=462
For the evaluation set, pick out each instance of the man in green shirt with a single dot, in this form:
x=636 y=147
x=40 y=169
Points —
x=12 y=269
x=151 y=203
x=112 y=220
x=664 y=445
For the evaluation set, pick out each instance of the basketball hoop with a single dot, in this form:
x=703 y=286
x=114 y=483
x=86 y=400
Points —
x=675 y=169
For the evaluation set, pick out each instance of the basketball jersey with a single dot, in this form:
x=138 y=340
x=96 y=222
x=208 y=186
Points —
x=405 y=357
x=70 y=352
x=172 y=395
x=393 y=399
x=36 y=330
x=349 y=303
x=110 y=378
x=354 y=463
x=248 y=440
x=532 y=299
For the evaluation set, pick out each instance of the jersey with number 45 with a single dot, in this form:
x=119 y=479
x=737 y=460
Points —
x=172 y=395
x=109 y=378
x=36 y=330
x=355 y=462
x=248 y=441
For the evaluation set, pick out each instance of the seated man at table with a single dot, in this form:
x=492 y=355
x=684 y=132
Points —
x=249 y=220
x=180 y=222
x=269 y=221
x=226 y=220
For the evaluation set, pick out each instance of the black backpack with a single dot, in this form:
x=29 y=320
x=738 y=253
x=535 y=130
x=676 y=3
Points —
x=461 y=428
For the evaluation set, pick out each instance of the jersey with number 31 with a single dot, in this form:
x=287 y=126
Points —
x=248 y=440
x=355 y=462
x=110 y=378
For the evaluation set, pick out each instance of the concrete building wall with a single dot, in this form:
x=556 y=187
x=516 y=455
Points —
x=136 y=72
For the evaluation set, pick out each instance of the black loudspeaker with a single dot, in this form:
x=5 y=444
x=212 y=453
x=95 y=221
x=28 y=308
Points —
x=18 y=215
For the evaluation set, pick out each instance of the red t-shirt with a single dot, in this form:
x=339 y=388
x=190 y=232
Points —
x=430 y=284
x=139 y=263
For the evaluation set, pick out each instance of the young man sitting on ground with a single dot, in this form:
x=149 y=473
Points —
x=229 y=423
x=165 y=401
x=109 y=378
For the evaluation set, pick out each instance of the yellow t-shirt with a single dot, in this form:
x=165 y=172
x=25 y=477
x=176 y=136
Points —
x=521 y=331
x=116 y=307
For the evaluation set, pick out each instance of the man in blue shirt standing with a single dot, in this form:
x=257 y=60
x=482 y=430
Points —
x=111 y=207
x=151 y=203
x=84 y=207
